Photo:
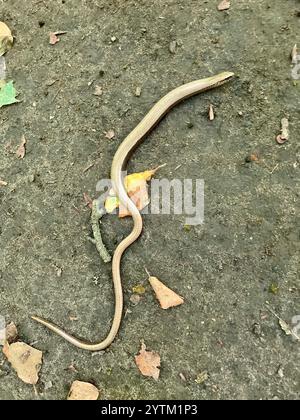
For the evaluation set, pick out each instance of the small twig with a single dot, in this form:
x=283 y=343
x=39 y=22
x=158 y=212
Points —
x=149 y=275
x=97 y=240
x=88 y=167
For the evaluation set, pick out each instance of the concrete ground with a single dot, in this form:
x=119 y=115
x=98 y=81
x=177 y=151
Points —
x=245 y=254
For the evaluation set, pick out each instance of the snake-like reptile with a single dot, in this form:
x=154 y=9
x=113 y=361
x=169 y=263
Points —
x=118 y=165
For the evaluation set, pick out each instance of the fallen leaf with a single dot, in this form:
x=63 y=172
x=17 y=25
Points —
x=83 y=391
x=137 y=190
x=274 y=288
x=111 y=203
x=21 y=151
x=224 y=5
x=6 y=39
x=25 y=360
x=294 y=54
x=211 y=114
x=148 y=362
x=202 y=377
x=88 y=201
x=252 y=158
x=166 y=297
x=187 y=228
x=8 y=94
x=2 y=183
x=285 y=326
x=139 y=289
x=110 y=134
x=53 y=38
x=98 y=90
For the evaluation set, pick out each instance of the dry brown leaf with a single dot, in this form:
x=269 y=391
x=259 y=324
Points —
x=21 y=151
x=224 y=5
x=3 y=183
x=166 y=297
x=53 y=37
x=294 y=54
x=25 y=360
x=98 y=90
x=110 y=134
x=6 y=39
x=83 y=391
x=211 y=114
x=148 y=362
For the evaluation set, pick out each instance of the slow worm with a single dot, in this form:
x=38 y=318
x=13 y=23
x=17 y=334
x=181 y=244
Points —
x=118 y=165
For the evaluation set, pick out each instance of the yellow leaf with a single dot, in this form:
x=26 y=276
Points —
x=136 y=187
x=6 y=39
x=111 y=204
x=139 y=289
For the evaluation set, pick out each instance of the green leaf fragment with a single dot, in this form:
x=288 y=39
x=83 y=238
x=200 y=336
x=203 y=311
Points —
x=274 y=288
x=202 y=377
x=8 y=94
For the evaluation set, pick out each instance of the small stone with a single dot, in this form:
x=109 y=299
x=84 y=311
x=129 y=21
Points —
x=280 y=372
x=11 y=333
x=173 y=47
x=138 y=91
x=256 y=329
x=135 y=299
x=83 y=391
x=48 y=385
